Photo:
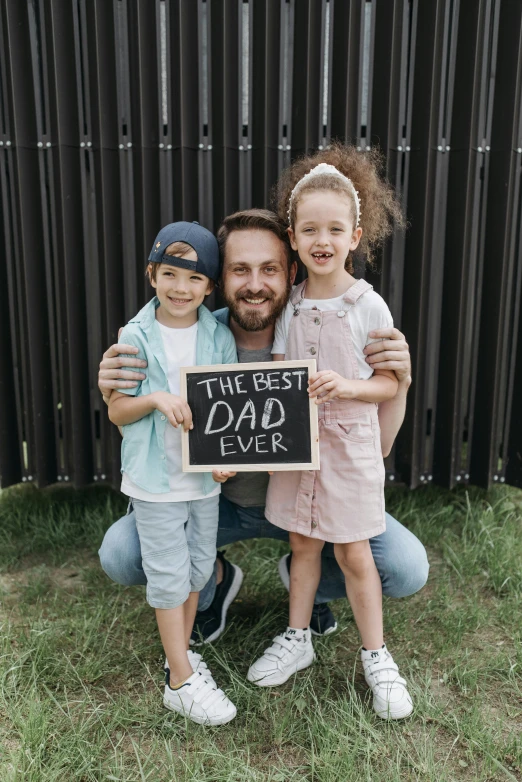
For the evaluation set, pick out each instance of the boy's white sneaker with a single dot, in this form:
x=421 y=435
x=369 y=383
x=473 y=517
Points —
x=201 y=701
x=290 y=652
x=391 y=699
x=197 y=663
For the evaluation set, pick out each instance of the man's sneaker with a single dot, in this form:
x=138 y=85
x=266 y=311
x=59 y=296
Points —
x=322 y=621
x=198 y=664
x=287 y=655
x=391 y=699
x=209 y=624
x=201 y=701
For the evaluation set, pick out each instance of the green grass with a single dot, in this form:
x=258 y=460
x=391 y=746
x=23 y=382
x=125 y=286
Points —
x=81 y=662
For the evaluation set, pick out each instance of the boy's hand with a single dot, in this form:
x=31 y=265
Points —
x=111 y=375
x=327 y=384
x=220 y=476
x=174 y=408
x=392 y=353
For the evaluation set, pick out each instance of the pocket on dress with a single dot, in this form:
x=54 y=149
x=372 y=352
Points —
x=357 y=431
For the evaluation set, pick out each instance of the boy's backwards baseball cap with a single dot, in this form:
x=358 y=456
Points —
x=199 y=238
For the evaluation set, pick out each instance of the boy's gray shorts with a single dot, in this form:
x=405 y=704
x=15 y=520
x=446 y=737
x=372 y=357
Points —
x=178 y=547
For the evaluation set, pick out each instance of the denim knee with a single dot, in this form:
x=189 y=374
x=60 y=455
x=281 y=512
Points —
x=410 y=577
x=120 y=553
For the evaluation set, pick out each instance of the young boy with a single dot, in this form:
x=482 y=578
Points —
x=176 y=512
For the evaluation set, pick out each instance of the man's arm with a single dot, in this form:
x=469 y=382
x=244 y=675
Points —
x=111 y=375
x=391 y=353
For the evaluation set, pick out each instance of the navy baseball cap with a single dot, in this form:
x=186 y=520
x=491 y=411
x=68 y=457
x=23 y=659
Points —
x=199 y=238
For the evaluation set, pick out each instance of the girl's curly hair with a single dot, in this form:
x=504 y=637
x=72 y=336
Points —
x=380 y=207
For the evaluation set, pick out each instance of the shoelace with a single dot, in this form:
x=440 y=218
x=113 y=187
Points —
x=320 y=609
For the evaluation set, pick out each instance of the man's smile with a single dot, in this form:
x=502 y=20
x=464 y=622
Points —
x=255 y=302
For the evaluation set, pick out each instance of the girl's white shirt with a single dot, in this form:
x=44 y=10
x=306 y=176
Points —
x=369 y=313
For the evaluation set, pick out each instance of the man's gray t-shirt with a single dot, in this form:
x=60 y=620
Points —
x=247 y=489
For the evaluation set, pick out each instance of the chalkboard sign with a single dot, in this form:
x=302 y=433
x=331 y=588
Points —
x=250 y=417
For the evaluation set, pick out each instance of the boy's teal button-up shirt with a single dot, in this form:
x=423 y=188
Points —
x=143 y=449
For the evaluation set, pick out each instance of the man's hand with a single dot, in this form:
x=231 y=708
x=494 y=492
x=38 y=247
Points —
x=174 y=408
x=220 y=476
x=392 y=353
x=111 y=375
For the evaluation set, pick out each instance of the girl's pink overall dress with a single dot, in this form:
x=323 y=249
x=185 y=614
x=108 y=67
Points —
x=344 y=500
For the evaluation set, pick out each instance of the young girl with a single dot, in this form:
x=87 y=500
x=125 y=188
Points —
x=334 y=201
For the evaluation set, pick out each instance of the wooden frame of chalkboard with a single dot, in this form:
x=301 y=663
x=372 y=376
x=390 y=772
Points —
x=300 y=437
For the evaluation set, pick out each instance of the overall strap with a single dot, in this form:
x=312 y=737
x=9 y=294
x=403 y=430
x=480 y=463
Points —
x=297 y=293
x=356 y=291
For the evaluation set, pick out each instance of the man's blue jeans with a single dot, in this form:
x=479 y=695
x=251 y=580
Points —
x=399 y=556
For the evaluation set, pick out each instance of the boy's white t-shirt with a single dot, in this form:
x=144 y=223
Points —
x=371 y=312
x=179 y=346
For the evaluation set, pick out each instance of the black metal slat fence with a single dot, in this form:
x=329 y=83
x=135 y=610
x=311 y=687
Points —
x=117 y=116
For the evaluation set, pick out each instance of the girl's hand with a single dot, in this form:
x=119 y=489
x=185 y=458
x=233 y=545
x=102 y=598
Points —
x=220 y=476
x=174 y=408
x=327 y=384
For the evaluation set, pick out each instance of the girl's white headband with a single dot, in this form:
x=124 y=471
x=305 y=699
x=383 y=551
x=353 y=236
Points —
x=326 y=168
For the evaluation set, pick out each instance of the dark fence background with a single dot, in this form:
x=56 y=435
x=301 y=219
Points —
x=118 y=116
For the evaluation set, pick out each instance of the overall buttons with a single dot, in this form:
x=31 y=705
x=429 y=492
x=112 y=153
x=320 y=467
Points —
x=313 y=351
x=341 y=313
x=314 y=524
x=162 y=417
x=317 y=321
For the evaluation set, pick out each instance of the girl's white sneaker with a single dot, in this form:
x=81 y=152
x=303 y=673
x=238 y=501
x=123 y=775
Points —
x=197 y=663
x=201 y=701
x=288 y=654
x=391 y=699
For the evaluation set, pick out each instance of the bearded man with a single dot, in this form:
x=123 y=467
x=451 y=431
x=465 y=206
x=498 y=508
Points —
x=256 y=279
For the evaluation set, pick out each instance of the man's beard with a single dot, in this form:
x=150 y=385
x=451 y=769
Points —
x=252 y=320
